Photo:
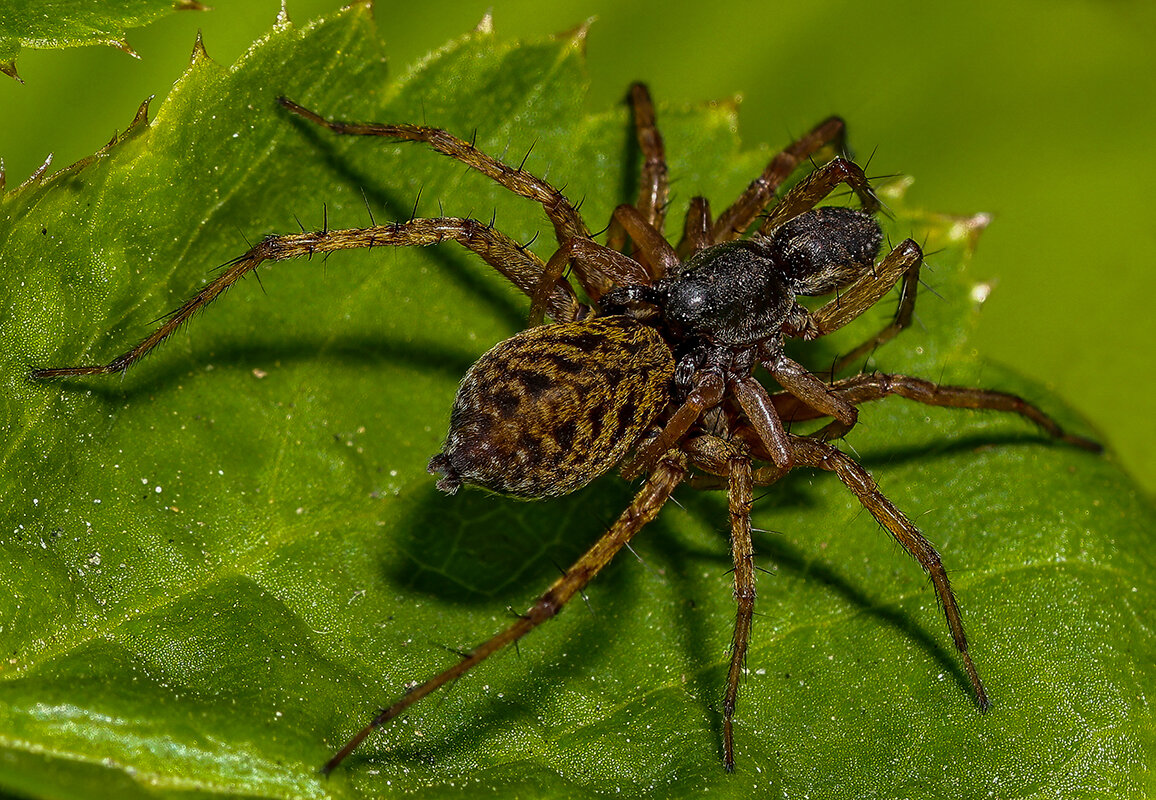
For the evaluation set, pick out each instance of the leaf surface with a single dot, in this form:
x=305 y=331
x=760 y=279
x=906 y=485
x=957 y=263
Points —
x=76 y=23
x=217 y=568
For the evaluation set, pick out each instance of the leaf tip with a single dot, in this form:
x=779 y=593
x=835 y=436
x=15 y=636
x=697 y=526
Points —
x=9 y=69
x=199 y=53
x=486 y=23
x=283 y=20
x=967 y=228
x=124 y=47
x=38 y=175
x=141 y=119
x=362 y=5
x=895 y=189
x=576 y=36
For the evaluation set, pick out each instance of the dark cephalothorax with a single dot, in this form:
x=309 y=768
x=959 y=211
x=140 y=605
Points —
x=654 y=370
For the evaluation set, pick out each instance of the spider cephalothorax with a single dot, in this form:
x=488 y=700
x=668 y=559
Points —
x=654 y=371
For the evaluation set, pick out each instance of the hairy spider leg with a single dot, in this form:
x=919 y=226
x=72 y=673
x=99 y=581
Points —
x=707 y=390
x=517 y=264
x=807 y=193
x=719 y=459
x=902 y=266
x=740 y=497
x=653 y=182
x=734 y=221
x=730 y=461
x=641 y=222
x=810 y=390
x=696 y=229
x=652 y=250
x=756 y=403
x=568 y=223
x=809 y=452
x=589 y=259
x=649 y=500
x=912 y=256
x=867 y=387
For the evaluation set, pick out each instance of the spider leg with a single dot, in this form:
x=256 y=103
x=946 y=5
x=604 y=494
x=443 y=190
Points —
x=807 y=193
x=734 y=221
x=743 y=553
x=812 y=391
x=707 y=390
x=814 y=453
x=517 y=264
x=901 y=263
x=875 y=386
x=568 y=223
x=696 y=230
x=597 y=268
x=642 y=510
x=654 y=184
x=903 y=313
x=653 y=250
x=760 y=411
x=643 y=222
x=720 y=458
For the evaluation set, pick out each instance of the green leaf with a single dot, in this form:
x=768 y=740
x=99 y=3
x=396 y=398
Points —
x=215 y=569
x=76 y=23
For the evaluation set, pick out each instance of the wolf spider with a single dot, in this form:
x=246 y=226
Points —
x=655 y=369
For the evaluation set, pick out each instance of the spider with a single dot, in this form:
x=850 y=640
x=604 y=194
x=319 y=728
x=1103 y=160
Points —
x=654 y=370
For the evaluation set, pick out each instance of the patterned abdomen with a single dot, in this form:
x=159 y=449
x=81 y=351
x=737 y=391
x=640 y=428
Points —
x=550 y=409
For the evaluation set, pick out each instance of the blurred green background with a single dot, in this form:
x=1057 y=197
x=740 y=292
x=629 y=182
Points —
x=1042 y=113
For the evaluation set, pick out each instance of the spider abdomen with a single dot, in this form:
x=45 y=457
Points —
x=550 y=409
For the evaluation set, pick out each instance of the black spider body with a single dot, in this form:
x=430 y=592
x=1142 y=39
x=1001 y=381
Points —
x=741 y=293
x=731 y=294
